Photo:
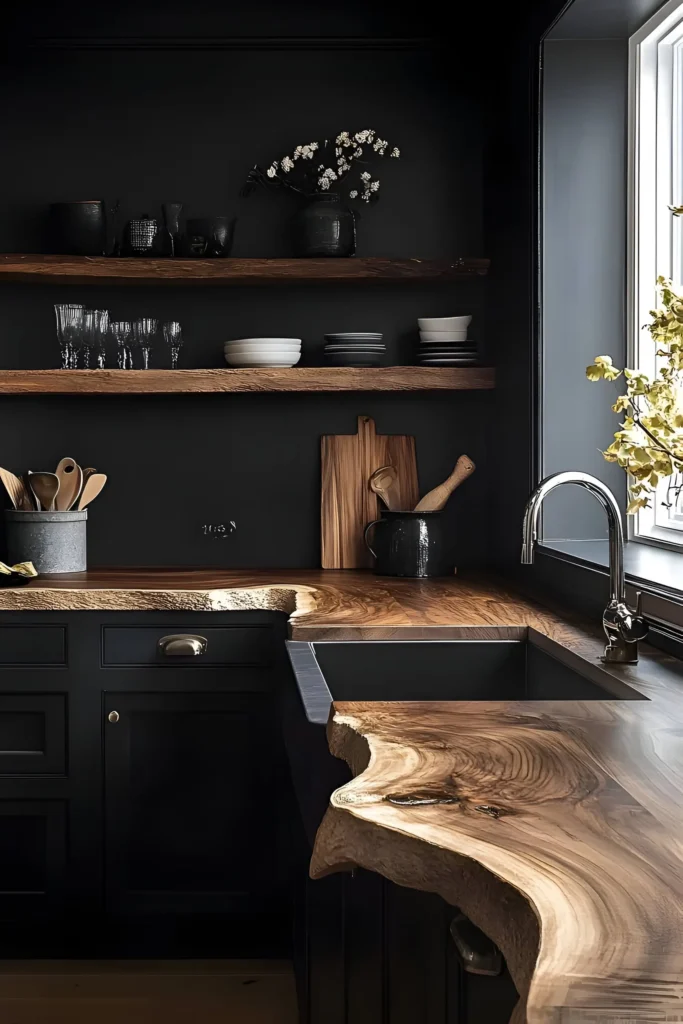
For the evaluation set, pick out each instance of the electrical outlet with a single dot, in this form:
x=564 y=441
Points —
x=219 y=531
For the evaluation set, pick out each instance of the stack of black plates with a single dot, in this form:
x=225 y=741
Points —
x=447 y=353
x=354 y=349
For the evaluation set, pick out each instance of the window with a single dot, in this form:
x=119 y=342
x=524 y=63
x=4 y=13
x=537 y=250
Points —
x=655 y=236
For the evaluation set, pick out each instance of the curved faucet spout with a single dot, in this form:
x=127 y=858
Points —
x=622 y=625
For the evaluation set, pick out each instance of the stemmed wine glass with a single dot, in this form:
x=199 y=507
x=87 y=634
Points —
x=173 y=336
x=69 y=318
x=122 y=331
x=95 y=323
x=144 y=330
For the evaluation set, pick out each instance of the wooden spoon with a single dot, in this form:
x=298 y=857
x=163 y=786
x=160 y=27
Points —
x=16 y=490
x=70 y=484
x=45 y=488
x=437 y=498
x=92 y=487
x=384 y=482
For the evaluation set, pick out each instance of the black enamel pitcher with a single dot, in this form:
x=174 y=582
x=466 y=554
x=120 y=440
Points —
x=413 y=544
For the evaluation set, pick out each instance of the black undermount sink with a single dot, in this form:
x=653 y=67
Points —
x=439 y=670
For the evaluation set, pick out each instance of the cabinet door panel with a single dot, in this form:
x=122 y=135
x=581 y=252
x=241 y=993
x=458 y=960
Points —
x=32 y=858
x=188 y=819
x=32 y=734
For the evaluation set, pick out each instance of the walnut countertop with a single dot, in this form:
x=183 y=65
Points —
x=343 y=604
x=557 y=826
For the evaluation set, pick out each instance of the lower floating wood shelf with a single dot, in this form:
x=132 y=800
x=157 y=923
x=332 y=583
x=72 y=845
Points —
x=309 y=378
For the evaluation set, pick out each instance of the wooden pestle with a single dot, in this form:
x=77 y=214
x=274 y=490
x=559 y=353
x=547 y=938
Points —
x=437 y=498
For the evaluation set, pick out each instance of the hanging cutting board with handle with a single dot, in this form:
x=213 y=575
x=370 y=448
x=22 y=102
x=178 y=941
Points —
x=347 y=502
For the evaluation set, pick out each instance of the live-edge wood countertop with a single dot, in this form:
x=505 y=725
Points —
x=556 y=826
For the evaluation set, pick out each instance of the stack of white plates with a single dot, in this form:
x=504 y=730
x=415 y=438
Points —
x=444 y=342
x=263 y=352
x=354 y=349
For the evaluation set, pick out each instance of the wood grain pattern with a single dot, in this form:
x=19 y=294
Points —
x=298 y=378
x=568 y=814
x=347 y=502
x=36 y=268
x=568 y=803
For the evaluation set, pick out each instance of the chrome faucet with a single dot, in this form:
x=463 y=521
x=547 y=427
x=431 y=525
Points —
x=623 y=626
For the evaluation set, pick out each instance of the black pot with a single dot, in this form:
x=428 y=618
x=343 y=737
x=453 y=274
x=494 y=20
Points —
x=323 y=227
x=141 y=237
x=209 y=236
x=411 y=544
x=80 y=228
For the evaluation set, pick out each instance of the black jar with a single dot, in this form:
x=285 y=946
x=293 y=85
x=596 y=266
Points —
x=414 y=544
x=80 y=228
x=323 y=227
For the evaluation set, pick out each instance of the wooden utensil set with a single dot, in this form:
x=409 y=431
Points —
x=69 y=488
x=357 y=470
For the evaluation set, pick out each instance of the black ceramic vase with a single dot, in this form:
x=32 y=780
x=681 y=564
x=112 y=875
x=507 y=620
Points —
x=323 y=227
x=411 y=544
x=80 y=228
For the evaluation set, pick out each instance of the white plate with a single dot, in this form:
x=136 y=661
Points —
x=264 y=360
x=445 y=336
x=263 y=341
x=259 y=350
x=444 y=323
x=370 y=347
x=356 y=334
x=447 y=362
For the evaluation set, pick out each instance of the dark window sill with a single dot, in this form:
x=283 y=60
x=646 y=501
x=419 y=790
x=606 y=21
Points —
x=656 y=572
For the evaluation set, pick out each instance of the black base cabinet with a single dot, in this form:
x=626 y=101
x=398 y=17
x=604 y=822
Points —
x=137 y=789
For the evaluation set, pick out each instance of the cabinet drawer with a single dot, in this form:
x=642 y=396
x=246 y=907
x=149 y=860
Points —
x=32 y=645
x=133 y=646
x=32 y=734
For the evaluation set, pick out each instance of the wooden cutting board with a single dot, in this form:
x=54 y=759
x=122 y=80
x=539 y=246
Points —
x=347 y=503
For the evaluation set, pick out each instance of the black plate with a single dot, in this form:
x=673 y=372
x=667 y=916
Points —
x=15 y=579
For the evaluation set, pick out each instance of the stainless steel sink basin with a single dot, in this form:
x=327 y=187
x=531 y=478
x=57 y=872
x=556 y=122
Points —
x=439 y=670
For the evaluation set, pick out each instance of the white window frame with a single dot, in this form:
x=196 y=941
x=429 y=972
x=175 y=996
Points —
x=655 y=236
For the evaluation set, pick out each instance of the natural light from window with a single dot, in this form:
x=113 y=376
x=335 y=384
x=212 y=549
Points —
x=655 y=236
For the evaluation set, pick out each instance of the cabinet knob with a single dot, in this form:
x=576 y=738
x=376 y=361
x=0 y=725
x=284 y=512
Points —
x=113 y=717
x=182 y=645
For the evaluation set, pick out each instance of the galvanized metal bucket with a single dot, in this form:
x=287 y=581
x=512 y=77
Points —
x=54 y=541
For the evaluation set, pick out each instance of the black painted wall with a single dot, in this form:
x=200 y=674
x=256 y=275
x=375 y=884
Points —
x=150 y=124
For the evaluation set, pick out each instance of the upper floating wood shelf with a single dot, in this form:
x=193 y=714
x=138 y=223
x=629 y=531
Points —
x=311 y=378
x=104 y=270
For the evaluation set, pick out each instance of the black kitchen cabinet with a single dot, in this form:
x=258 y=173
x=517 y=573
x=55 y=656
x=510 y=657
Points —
x=157 y=834
x=186 y=803
x=368 y=951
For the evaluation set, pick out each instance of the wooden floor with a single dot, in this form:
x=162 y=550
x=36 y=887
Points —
x=147 y=992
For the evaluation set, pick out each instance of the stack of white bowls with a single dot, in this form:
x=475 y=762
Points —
x=263 y=352
x=444 y=342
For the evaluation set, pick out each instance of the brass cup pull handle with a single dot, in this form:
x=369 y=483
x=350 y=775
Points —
x=182 y=645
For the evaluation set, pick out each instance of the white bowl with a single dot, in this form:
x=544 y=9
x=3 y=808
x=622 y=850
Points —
x=426 y=336
x=262 y=359
x=264 y=349
x=263 y=341
x=444 y=323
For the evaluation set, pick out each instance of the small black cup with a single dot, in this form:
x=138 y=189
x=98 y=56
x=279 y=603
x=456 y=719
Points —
x=411 y=544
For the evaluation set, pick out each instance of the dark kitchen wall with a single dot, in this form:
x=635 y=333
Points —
x=121 y=114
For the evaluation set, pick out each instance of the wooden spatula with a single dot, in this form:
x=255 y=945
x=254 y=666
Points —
x=16 y=490
x=384 y=482
x=45 y=488
x=92 y=487
x=437 y=498
x=70 y=484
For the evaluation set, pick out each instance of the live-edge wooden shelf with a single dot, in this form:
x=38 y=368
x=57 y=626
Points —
x=36 y=269
x=147 y=382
